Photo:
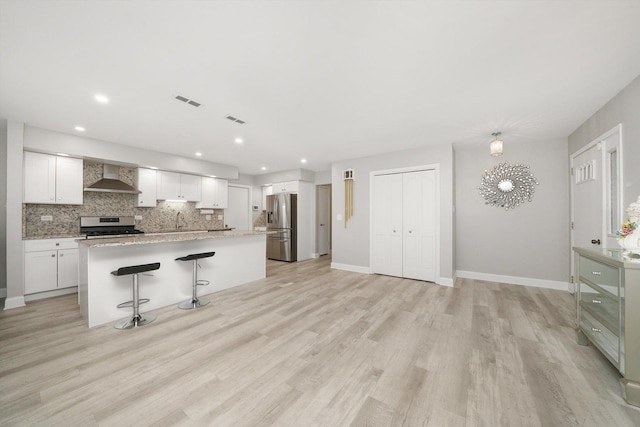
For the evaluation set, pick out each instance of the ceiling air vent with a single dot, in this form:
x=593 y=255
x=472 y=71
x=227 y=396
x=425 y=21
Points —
x=188 y=101
x=235 y=119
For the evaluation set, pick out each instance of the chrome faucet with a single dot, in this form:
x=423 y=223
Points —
x=178 y=221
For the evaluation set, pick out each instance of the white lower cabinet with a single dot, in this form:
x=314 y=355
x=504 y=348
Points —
x=404 y=225
x=50 y=264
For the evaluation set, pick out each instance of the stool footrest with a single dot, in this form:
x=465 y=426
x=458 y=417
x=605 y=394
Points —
x=202 y=283
x=130 y=303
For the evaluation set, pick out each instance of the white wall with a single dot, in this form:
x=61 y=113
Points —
x=623 y=108
x=530 y=241
x=3 y=211
x=350 y=246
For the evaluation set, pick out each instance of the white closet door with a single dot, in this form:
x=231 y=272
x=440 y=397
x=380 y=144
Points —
x=419 y=225
x=387 y=223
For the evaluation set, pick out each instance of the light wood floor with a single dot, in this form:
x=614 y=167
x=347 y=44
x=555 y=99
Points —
x=310 y=346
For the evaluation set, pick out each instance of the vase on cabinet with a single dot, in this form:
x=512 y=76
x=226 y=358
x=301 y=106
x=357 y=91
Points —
x=631 y=243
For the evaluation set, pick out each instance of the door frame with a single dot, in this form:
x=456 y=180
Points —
x=436 y=168
x=603 y=157
x=250 y=206
x=329 y=187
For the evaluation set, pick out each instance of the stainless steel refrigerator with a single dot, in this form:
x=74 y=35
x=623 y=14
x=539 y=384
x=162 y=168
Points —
x=282 y=218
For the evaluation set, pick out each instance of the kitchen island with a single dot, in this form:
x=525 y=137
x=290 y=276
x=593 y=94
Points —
x=239 y=259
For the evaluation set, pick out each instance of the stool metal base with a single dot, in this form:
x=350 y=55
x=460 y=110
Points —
x=134 y=322
x=190 y=304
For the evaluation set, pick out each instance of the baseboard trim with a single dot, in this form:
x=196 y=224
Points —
x=446 y=281
x=515 y=280
x=14 y=302
x=348 y=267
x=51 y=294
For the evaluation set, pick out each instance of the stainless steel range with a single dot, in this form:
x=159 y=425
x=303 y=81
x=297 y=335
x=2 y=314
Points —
x=108 y=226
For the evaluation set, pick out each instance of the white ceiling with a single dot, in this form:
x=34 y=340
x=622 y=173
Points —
x=323 y=80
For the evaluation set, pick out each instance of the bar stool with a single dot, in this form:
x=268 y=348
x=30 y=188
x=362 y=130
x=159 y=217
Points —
x=195 y=302
x=136 y=319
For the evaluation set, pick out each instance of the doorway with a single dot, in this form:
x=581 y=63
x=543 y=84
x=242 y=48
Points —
x=405 y=223
x=596 y=193
x=323 y=219
x=238 y=213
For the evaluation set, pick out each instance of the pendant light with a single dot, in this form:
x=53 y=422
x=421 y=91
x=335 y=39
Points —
x=496 y=144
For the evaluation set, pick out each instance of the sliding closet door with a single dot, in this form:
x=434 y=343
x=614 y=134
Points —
x=419 y=225
x=387 y=225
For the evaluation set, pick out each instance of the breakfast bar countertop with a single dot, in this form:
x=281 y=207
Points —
x=181 y=236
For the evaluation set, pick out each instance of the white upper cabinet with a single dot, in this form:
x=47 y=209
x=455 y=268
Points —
x=52 y=179
x=267 y=190
x=191 y=187
x=178 y=186
x=146 y=183
x=286 y=187
x=215 y=193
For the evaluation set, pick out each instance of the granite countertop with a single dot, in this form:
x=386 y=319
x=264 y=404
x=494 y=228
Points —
x=54 y=236
x=180 y=236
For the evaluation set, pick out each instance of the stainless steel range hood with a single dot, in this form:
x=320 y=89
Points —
x=110 y=182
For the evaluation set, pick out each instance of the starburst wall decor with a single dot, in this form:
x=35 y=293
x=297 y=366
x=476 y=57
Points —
x=507 y=185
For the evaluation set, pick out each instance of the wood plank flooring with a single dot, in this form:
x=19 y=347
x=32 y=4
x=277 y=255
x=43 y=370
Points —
x=311 y=346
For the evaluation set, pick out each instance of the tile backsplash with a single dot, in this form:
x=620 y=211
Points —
x=66 y=218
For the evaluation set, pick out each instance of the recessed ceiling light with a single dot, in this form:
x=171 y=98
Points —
x=303 y=160
x=264 y=168
x=239 y=141
x=79 y=128
x=101 y=99
x=199 y=154
x=62 y=154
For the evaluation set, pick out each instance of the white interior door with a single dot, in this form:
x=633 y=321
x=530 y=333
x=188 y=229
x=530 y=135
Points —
x=323 y=218
x=596 y=192
x=587 y=193
x=419 y=225
x=238 y=213
x=387 y=225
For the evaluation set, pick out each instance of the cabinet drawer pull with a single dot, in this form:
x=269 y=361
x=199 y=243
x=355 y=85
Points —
x=596 y=330
x=596 y=273
x=596 y=301
x=53 y=255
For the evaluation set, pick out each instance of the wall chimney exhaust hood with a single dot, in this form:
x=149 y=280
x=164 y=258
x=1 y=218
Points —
x=110 y=183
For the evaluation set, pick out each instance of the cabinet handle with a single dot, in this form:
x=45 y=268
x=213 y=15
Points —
x=596 y=330
x=53 y=255
x=596 y=301
x=596 y=273
x=394 y=231
x=57 y=244
x=410 y=231
x=61 y=255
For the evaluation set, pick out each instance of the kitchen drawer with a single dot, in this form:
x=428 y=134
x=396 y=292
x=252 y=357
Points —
x=602 y=337
x=600 y=274
x=601 y=305
x=50 y=244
